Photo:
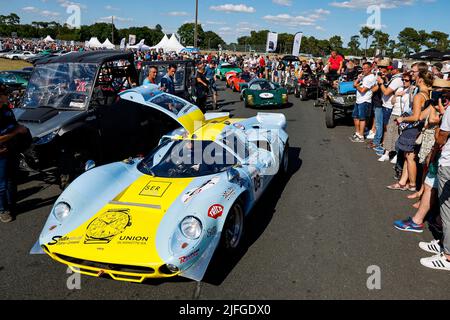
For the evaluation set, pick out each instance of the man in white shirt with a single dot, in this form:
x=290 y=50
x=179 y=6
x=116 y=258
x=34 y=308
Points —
x=363 y=86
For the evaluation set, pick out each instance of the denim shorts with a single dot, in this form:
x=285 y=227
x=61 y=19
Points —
x=386 y=116
x=361 y=111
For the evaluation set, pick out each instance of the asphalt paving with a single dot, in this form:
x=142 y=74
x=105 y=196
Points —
x=318 y=235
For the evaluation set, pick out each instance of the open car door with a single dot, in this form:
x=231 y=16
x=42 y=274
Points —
x=189 y=116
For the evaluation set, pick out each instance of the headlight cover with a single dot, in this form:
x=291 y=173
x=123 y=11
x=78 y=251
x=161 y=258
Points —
x=191 y=227
x=61 y=211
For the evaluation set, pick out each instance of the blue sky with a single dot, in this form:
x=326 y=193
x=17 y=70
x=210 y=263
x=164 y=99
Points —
x=234 y=18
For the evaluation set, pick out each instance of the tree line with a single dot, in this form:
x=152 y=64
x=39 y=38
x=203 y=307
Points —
x=409 y=41
x=102 y=30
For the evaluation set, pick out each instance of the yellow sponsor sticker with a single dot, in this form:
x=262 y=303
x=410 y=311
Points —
x=155 y=189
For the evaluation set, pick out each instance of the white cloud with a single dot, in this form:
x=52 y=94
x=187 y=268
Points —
x=109 y=7
x=67 y=3
x=119 y=19
x=288 y=20
x=45 y=13
x=30 y=9
x=283 y=2
x=178 y=13
x=233 y=8
x=364 y=4
x=225 y=29
x=320 y=28
x=300 y=20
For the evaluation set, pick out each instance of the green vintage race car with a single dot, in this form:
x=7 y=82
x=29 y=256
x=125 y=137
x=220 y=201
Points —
x=225 y=67
x=261 y=92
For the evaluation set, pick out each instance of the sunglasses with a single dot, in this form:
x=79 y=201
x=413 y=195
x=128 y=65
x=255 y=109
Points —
x=406 y=80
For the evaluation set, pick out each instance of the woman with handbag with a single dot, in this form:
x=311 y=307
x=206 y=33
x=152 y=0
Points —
x=401 y=101
x=410 y=126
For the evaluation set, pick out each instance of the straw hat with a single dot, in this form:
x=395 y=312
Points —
x=386 y=62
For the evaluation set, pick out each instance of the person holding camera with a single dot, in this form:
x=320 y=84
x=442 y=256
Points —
x=441 y=249
x=410 y=125
x=389 y=88
x=9 y=159
x=429 y=157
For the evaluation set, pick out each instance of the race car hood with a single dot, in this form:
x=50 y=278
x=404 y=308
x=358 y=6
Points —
x=124 y=230
x=42 y=121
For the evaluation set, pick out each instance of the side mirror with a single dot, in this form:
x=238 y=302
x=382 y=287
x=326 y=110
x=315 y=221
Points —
x=90 y=164
x=233 y=175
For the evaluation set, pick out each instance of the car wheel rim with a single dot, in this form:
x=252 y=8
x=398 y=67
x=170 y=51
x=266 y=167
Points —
x=233 y=229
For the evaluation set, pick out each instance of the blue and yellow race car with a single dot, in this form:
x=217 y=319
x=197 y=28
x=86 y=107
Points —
x=165 y=214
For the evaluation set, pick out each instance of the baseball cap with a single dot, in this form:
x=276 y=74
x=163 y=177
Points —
x=398 y=65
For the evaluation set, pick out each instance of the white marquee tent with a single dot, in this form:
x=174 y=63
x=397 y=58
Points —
x=169 y=45
x=94 y=43
x=162 y=44
x=108 y=45
x=49 y=39
x=173 y=45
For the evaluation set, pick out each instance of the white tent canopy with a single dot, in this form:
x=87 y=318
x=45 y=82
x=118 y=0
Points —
x=49 y=39
x=173 y=45
x=169 y=45
x=108 y=45
x=162 y=44
x=94 y=43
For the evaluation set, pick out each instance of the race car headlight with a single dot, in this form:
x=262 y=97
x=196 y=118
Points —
x=339 y=100
x=47 y=138
x=61 y=211
x=284 y=97
x=191 y=227
x=250 y=99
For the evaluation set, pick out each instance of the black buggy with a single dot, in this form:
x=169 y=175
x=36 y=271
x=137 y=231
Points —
x=75 y=115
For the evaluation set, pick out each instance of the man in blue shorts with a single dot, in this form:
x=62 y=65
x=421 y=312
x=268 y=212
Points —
x=363 y=86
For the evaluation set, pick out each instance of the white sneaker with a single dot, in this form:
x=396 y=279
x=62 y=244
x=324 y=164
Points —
x=384 y=157
x=432 y=246
x=438 y=262
x=370 y=135
x=394 y=160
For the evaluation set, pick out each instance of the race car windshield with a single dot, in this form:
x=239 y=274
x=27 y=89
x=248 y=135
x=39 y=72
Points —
x=187 y=158
x=60 y=85
x=170 y=103
x=262 y=86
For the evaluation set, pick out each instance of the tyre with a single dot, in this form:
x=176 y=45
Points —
x=284 y=165
x=303 y=94
x=296 y=92
x=329 y=116
x=233 y=228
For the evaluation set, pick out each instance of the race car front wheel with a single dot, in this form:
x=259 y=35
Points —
x=233 y=228
x=285 y=161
